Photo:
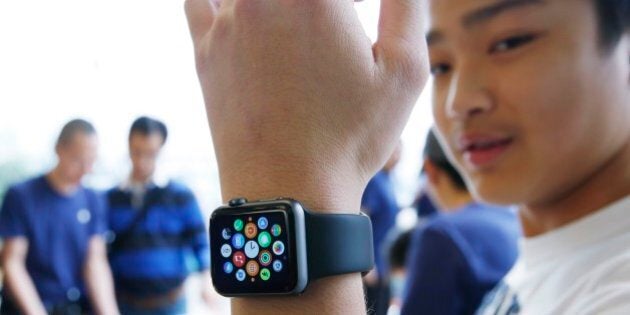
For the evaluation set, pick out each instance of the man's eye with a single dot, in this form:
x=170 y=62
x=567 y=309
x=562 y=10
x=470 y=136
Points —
x=439 y=69
x=511 y=43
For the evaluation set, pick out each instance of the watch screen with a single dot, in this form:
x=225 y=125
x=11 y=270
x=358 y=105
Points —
x=252 y=251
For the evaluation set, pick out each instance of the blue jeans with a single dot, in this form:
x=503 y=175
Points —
x=177 y=308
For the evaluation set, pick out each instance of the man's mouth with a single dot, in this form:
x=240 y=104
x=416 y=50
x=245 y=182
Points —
x=482 y=151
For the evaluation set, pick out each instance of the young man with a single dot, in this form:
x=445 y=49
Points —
x=458 y=256
x=53 y=256
x=532 y=100
x=155 y=225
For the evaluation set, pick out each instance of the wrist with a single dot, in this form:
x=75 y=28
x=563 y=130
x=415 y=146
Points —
x=318 y=189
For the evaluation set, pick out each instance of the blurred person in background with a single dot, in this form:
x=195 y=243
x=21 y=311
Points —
x=460 y=254
x=423 y=205
x=156 y=226
x=397 y=256
x=379 y=203
x=54 y=257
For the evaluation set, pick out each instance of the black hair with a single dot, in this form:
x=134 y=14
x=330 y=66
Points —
x=433 y=152
x=147 y=126
x=614 y=21
x=73 y=127
x=399 y=249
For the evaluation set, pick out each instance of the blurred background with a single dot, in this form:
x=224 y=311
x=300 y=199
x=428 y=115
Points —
x=112 y=61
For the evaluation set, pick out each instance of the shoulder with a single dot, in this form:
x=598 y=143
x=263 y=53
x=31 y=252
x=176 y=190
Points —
x=179 y=192
x=438 y=230
x=29 y=185
x=19 y=197
x=25 y=188
x=440 y=223
x=380 y=180
x=612 y=272
x=177 y=188
x=376 y=190
x=434 y=244
x=605 y=289
x=114 y=191
x=481 y=215
x=454 y=229
x=117 y=197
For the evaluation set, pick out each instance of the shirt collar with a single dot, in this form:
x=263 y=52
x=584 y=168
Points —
x=600 y=226
x=154 y=182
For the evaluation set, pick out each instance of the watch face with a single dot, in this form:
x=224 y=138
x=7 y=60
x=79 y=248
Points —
x=252 y=250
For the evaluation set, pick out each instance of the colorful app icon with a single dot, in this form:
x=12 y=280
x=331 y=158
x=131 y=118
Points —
x=264 y=239
x=238 y=259
x=226 y=250
x=238 y=241
x=228 y=267
x=265 y=274
x=263 y=223
x=265 y=258
x=278 y=248
x=276 y=230
x=251 y=249
x=277 y=266
x=238 y=225
x=226 y=233
x=251 y=230
x=240 y=275
x=252 y=268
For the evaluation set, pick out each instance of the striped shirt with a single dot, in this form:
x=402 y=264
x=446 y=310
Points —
x=152 y=257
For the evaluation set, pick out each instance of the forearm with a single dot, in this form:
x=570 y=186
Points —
x=21 y=287
x=333 y=295
x=101 y=287
x=98 y=278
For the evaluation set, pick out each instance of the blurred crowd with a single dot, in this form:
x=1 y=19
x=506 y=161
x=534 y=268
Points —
x=69 y=249
x=530 y=101
x=456 y=253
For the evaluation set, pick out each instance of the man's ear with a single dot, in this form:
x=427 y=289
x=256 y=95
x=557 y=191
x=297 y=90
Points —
x=433 y=173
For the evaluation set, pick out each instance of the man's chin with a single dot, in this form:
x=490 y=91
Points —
x=74 y=180
x=497 y=194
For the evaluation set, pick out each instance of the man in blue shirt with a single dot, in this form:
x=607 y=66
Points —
x=460 y=254
x=156 y=226
x=54 y=255
x=379 y=202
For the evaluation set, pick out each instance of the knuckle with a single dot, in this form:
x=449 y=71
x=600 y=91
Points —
x=410 y=65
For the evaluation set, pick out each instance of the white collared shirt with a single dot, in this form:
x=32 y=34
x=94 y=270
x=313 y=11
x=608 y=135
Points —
x=580 y=268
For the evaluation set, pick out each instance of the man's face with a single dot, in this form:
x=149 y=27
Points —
x=144 y=151
x=77 y=156
x=528 y=105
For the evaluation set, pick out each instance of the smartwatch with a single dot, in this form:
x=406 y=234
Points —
x=276 y=247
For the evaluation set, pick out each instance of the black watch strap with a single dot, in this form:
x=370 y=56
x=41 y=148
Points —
x=338 y=244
